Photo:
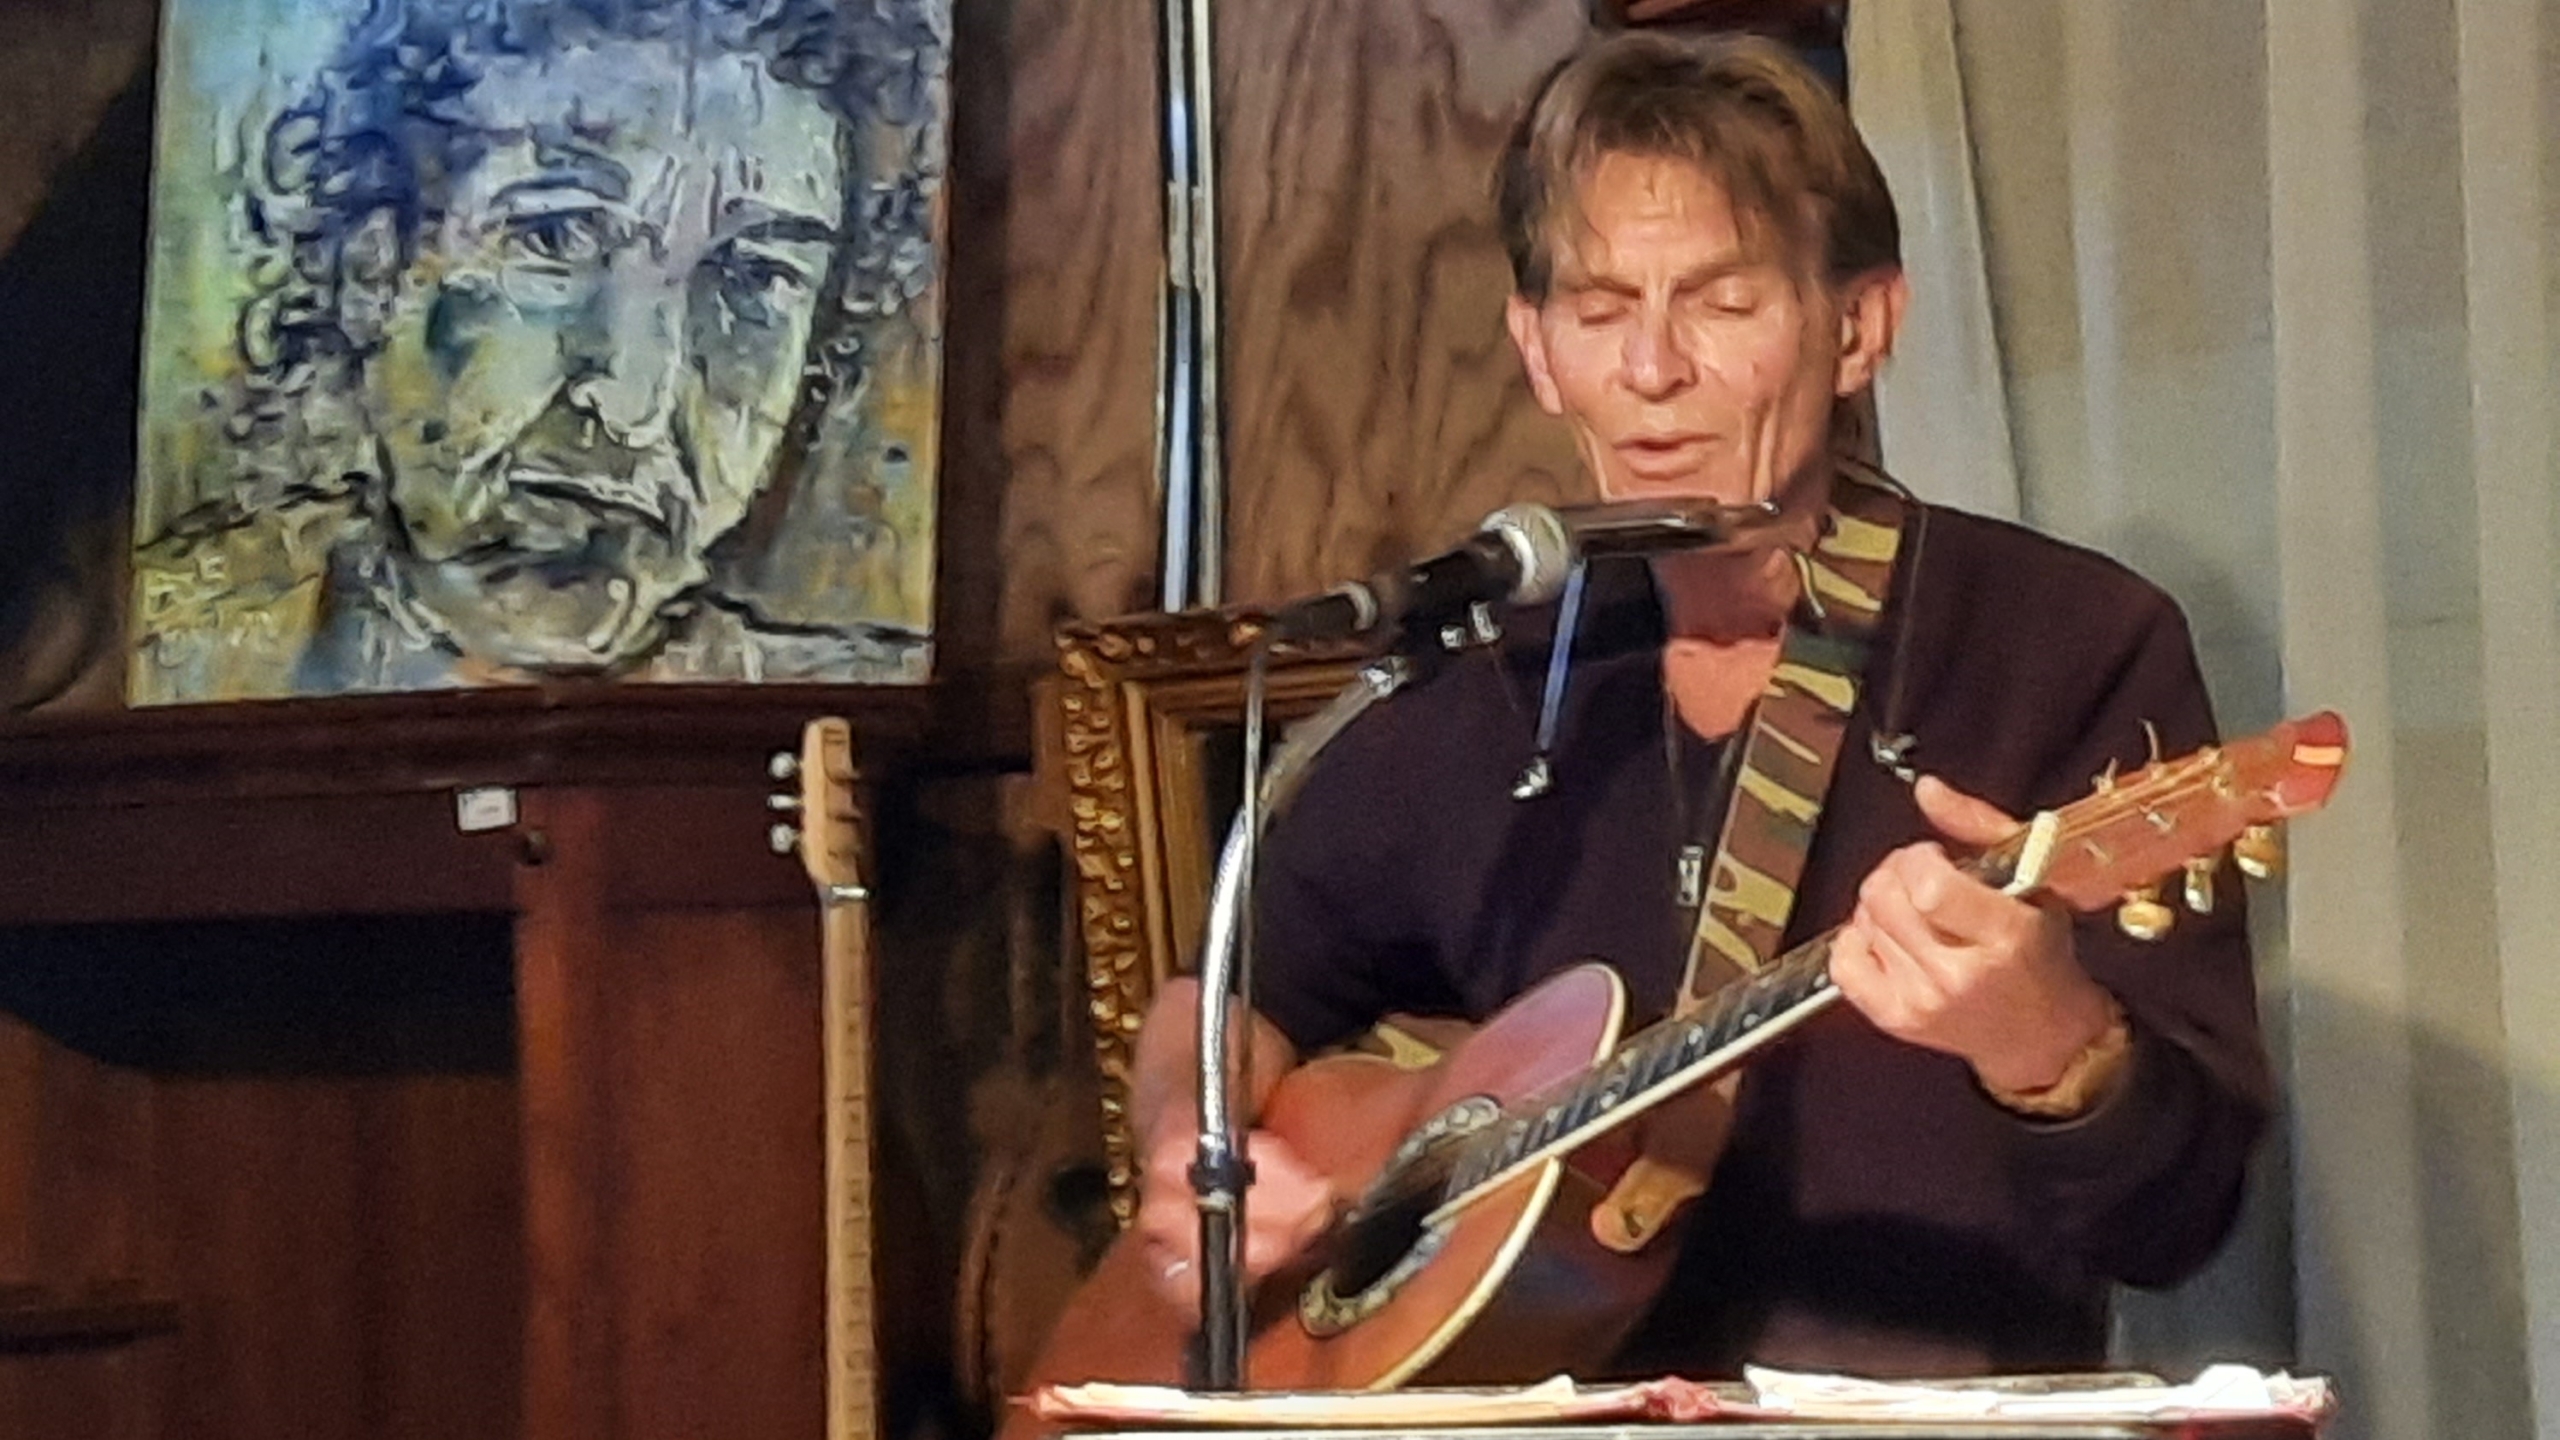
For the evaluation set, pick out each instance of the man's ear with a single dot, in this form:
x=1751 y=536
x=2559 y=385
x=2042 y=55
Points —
x=1871 y=309
x=1521 y=314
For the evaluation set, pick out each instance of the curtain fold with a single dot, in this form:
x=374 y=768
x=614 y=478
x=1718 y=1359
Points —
x=2270 y=306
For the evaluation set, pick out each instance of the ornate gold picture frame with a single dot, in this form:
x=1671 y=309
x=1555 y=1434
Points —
x=1148 y=711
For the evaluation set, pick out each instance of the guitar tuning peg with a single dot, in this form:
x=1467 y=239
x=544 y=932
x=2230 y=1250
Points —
x=782 y=765
x=2199 y=885
x=787 y=804
x=2143 y=917
x=783 y=838
x=2259 y=851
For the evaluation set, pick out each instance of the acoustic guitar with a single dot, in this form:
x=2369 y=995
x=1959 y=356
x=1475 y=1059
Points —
x=1469 y=1257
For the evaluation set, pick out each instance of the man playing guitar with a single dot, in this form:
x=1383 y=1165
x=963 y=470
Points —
x=2016 y=1108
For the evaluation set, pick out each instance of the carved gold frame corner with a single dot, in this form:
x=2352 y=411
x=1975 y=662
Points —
x=1137 y=700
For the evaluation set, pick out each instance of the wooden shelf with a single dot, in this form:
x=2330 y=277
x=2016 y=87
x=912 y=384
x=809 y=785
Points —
x=377 y=744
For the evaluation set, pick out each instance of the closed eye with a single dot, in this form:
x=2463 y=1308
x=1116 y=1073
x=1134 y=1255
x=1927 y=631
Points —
x=1725 y=296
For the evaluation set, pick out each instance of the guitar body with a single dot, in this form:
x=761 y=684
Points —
x=1514 y=1289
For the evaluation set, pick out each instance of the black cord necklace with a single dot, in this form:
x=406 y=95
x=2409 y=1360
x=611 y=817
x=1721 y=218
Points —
x=1691 y=842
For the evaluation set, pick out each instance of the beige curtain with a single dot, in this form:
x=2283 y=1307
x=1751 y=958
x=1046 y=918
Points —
x=2272 y=301
x=1941 y=402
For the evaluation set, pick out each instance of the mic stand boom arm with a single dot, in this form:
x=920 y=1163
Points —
x=1220 y=1173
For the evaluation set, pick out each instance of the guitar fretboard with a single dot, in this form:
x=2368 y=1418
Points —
x=1653 y=1065
x=852 y=1348
x=1664 y=1059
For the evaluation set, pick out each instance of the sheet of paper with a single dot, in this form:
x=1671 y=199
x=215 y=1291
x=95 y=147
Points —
x=1550 y=1400
x=2232 y=1390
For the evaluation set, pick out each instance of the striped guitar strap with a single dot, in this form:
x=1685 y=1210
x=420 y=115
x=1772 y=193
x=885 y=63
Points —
x=1795 y=736
x=1778 y=789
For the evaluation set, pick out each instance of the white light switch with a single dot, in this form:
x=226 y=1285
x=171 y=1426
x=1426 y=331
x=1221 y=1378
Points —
x=484 y=807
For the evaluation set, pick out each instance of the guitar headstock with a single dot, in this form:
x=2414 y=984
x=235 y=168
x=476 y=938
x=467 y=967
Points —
x=2177 y=815
x=830 y=833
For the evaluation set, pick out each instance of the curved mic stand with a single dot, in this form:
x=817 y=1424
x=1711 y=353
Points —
x=1220 y=1173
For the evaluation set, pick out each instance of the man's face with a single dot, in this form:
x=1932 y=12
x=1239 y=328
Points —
x=588 y=366
x=1688 y=360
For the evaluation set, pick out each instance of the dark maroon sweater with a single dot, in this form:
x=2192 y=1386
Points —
x=1875 y=1211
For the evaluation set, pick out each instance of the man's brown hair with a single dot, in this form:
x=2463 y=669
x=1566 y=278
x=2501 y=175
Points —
x=1738 y=107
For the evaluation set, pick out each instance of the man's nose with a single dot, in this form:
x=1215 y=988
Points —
x=624 y=356
x=1658 y=364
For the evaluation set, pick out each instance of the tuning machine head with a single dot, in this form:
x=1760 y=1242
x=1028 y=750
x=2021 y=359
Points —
x=2259 y=851
x=2196 y=884
x=2143 y=917
x=783 y=836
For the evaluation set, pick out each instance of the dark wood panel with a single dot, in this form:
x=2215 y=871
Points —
x=698 y=846
x=371 y=855
x=75 y=1172
x=260 y=1240
x=563 y=1056
x=276 y=1324
x=670 y=1069
x=1074 y=191
x=445 y=1258
x=103 y=1394
x=264 y=857
x=1375 y=410
x=345 y=1254
x=74 y=1162
x=713 y=1243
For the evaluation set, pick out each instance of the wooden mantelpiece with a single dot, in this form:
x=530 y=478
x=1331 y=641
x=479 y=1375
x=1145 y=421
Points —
x=168 y=813
x=543 y=1159
x=590 y=733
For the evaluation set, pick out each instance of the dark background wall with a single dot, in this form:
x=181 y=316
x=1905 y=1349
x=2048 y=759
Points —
x=75 y=130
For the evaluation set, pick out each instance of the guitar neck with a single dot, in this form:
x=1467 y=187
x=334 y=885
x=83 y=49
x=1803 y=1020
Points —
x=853 y=1362
x=1664 y=1059
x=1653 y=1065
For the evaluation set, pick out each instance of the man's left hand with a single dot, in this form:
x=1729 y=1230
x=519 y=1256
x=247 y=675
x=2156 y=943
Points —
x=1935 y=957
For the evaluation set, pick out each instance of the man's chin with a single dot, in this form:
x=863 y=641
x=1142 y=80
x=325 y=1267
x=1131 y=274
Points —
x=1692 y=478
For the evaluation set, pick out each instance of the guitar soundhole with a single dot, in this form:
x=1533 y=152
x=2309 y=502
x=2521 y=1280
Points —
x=1387 y=1238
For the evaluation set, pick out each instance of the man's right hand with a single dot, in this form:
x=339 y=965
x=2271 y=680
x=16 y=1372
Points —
x=1288 y=1207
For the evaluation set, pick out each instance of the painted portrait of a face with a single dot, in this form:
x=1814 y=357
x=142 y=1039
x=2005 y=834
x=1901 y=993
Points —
x=570 y=337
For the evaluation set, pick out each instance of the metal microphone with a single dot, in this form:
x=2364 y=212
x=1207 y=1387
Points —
x=1520 y=556
x=1659 y=527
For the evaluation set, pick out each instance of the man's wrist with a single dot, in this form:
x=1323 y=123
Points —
x=2085 y=1079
